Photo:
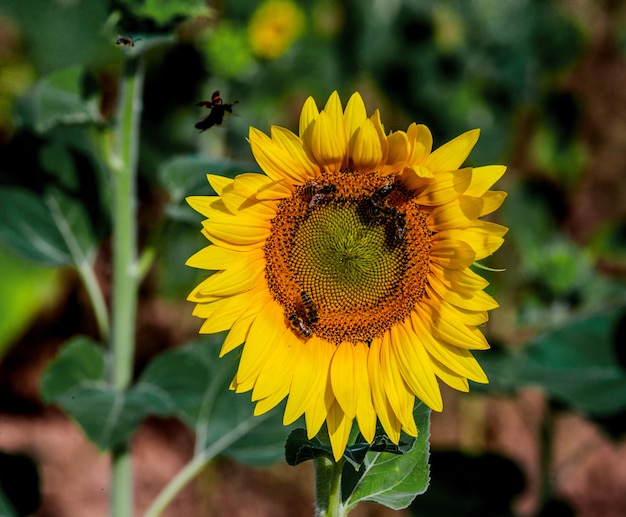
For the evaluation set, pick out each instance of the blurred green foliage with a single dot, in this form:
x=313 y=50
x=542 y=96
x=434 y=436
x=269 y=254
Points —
x=503 y=66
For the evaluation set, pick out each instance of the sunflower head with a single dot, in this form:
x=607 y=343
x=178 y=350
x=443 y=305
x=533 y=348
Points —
x=344 y=270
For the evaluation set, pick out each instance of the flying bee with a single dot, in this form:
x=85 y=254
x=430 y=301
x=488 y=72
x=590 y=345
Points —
x=318 y=192
x=300 y=328
x=218 y=108
x=126 y=41
x=310 y=311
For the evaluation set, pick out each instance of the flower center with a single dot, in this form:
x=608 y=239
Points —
x=347 y=256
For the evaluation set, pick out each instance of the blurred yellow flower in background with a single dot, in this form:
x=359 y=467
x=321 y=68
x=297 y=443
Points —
x=274 y=26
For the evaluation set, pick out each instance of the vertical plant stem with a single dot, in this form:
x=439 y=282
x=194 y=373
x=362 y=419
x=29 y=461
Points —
x=328 y=488
x=125 y=267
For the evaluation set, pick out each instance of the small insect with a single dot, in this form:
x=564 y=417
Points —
x=318 y=192
x=399 y=221
x=126 y=41
x=299 y=326
x=376 y=209
x=310 y=311
x=382 y=192
x=218 y=108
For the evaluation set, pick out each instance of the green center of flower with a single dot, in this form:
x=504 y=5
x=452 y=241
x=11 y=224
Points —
x=347 y=256
x=342 y=260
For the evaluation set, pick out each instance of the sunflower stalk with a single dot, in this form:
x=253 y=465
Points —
x=123 y=164
x=328 y=488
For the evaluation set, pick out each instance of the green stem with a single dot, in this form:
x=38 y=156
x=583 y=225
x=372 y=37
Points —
x=123 y=164
x=190 y=470
x=328 y=488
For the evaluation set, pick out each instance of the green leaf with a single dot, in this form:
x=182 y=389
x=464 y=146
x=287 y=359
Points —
x=24 y=290
x=577 y=364
x=164 y=11
x=58 y=99
x=6 y=509
x=192 y=382
x=53 y=230
x=390 y=479
x=80 y=361
x=299 y=448
x=186 y=175
x=76 y=381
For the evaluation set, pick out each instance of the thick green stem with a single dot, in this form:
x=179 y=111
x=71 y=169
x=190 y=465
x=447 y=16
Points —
x=328 y=488
x=125 y=267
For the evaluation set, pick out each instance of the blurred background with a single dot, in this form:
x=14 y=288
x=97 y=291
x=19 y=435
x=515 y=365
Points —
x=545 y=80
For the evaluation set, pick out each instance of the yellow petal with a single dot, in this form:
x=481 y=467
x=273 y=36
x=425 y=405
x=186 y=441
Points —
x=221 y=314
x=366 y=152
x=308 y=115
x=385 y=413
x=339 y=426
x=264 y=331
x=268 y=403
x=451 y=155
x=398 y=394
x=281 y=189
x=239 y=331
x=449 y=377
x=492 y=201
x=354 y=117
x=232 y=232
x=248 y=183
x=416 y=177
x=470 y=299
x=218 y=182
x=483 y=178
x=309 y=377
x=241 y=276
x=482 y=243
x=397 y=153
x=460 y=213
x=365 y=412
x=415 y=366
x=317 y=411
x=420 y=142
x=276 y=375
x=342 y=378
x=274 y=160
x=451 y=330
x=293 y=146
x=242 y=202
x=327 y=147
x=452 y=253
x=459 y=360
x=447 y=187
x=208 y=206
x=215 y=257
x=489 y=227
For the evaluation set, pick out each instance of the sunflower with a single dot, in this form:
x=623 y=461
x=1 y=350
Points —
x=344 y=270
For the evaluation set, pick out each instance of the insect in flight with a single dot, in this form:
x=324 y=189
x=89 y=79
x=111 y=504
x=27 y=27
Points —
x=126 y=41
x=218 y=108
x=299 y=326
